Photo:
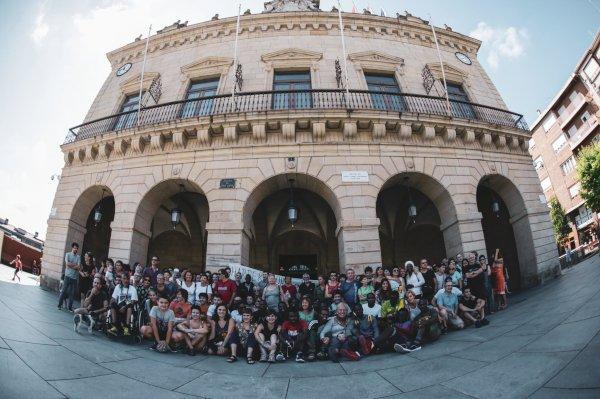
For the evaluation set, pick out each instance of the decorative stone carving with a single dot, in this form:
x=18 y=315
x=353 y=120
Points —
x=132 y=85
x=319 y=130
x=378 y=130
x=468 y=136
x=69 y=158
x=180 y=139
x=486 y=139
x=375 y=60
x=138 y=144
x=350 y=129
x=501 y=141
x=288 y=130
x=452 y=73
x=230 y=133
x=513 y=143
x=259 y=132
x=405 y=131
x=525 y=145
x=291 y=5
x=121 y=146
x=204 y=137
x=104 y=150
x=157 y=142
x=428 y=132
x=292 y=54
x=450 y=134
x=207 y=66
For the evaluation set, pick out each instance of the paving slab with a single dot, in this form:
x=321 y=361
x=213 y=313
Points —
x=154 y=373
x=19 y=330
x=554 y=393
x=95 y=350
x=368 y=385
x=291 y=369
x=442 y=347
x=18 y=381
x=429 y=372
x=3 y=345
x=113 y=386
x=378 y=362
x=432 y=392
x=496 y=348
x=56 y=362
x=57 y=331
x=219 y=364
x=515 y=376
x=540 y=325
x=483 y=334
x=566 y=337
x=175 y=359
x=583 y=371
x=213 y=385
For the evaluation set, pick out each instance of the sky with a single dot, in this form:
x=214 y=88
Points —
x=54 y=62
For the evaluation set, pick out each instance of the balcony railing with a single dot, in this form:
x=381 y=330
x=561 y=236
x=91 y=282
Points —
x=297 y=100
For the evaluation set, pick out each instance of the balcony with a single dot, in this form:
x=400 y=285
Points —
x=268 y=102
x=583 y=133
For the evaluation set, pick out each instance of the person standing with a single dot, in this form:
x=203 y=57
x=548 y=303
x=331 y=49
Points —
x=86 y=275
x=72 y=266
x=349 y=288
x=18 y=267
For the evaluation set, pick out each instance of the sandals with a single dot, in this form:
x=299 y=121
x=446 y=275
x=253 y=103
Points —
x=249 y=360
x=232 y=359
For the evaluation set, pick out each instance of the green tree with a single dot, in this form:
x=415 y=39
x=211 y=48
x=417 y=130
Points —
x=560 y=223
x=588 y=171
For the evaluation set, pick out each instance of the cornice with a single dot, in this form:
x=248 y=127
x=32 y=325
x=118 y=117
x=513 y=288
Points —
x=413 y=30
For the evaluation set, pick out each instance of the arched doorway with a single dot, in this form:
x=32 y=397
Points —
x=416 y=216
x=274 y=243
x=505 y=225
x=90 y=221
x=179 y=241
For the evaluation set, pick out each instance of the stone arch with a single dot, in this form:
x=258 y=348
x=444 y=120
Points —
x=436 y=217
x=152 y=230
x=509 y=229
x=314 y=199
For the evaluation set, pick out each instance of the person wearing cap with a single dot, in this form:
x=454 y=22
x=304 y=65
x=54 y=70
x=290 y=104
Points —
x=307 y=287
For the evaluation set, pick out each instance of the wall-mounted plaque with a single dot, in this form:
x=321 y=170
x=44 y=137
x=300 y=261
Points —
x=227 y=183
x=355 y=176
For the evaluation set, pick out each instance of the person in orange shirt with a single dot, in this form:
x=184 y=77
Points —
x=18 y=267
x=180 y=306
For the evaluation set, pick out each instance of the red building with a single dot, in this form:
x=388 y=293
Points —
x=16 y=241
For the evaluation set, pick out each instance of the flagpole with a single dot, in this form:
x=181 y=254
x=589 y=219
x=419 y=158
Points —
x=344 y=51
x=142 y=77
x=437 y=46
x=235 y=56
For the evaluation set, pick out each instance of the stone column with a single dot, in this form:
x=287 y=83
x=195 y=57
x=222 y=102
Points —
x=359 y=244
x=464 y=234
x=128 y=244
x=60 y=234
x=224 y=244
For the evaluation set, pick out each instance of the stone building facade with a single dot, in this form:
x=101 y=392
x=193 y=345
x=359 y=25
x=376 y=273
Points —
x=351 y=162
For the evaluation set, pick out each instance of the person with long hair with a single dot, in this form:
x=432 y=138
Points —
x=320 y=289
x=245 y=332
x=332 y=286
x=86 y=275
x=267 y=336
x=223 y=335
x=384 y=292
x=194 y=331
x=188 y=284
x=379 y=276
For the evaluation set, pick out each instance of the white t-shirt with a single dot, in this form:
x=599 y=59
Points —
x=192 y=291
x=375 y=311
x=203 y=290
x=121 y=294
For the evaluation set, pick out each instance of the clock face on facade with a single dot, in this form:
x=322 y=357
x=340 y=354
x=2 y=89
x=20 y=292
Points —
x=124 y=69
x=462 y=57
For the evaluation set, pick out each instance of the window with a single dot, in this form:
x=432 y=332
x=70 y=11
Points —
x=128 y=120
x=572 y=131
x=561 y=110
x=538 y=163
x=548 y=122
x=459 y=109
x=568 y=166
x=546 y=184
x=574 y=97
x=591 y=69
x=585 y=117
x=584 y=216
x=198 y=90
x=574 y=189
x=559 y=143
x=291 y=83
x=386 y=84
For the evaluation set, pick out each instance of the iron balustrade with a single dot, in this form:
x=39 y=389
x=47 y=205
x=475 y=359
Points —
x=265 y=101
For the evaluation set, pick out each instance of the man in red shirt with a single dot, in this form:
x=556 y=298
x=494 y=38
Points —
x=225 y=288
x=293 y=337
x=289 y=290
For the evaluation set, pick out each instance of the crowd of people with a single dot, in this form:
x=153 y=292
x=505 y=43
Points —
x=337 y=316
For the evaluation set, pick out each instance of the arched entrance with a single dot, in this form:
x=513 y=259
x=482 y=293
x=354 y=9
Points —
x=416 y=216
x=276 y=244
x=177 y=241
x=505 y=225
x=90 y=222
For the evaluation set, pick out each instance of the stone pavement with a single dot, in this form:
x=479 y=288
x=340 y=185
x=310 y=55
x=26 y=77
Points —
x=546 y=345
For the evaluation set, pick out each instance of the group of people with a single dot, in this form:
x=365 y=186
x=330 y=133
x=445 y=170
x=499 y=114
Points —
x=337 y=316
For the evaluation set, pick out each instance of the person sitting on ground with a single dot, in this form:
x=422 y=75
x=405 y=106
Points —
x=395 y=332
x=180 y=306
x=212 y=309
x=307 y=287
x=390 y=307
x=447 y=304
x=151 y=301
x=292 y=338
x=235 y=309
x=94 y=306
x=246 y=339
x=123 y=299
x=161 y=326
x=223 y=335
x=424 y=328
x=372 y=308
x=367 y=329
x=306 y=312
x=365 y=289
x=267 y=336
x=203 y=304
x=472 y=309
x=339 y=334
x=316 y=348
x=195 y=331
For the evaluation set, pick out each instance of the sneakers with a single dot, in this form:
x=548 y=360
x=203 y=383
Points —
x=114 y=330
x=321 y=355
x=477 y=323
x=92 y=324
x=299 y=357
x=153 y=347
x=485 y=322
x=263 y=355
x=400 y=348
x=126 y=332
x=271 y=357
x=280 y=357
x=350 y=355
x=76 y=322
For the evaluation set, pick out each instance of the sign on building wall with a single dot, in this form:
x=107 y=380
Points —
x=227 y=183
x=355 y=176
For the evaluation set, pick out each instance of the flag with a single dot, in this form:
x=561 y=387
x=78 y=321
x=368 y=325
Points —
x=354 y=10
x=382 y=13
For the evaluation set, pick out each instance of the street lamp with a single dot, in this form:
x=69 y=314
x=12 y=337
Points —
x=495 y=202
x=412 y=208
x=176 y=212
x=292 y=210
x=98 y=211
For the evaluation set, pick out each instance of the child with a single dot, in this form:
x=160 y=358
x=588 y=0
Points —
x=161 y=326
x=195 y=331
x=180 y=306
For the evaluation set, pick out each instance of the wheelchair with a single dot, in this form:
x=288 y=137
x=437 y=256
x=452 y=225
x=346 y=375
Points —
x=133 y=323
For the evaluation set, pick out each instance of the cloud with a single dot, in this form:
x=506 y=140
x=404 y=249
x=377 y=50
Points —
x=41 y=27
x=501 y=43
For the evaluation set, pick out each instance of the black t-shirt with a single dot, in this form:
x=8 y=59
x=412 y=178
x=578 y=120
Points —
x=307 y=289
x=477 y=284
x=470 y=303
x=98 y=299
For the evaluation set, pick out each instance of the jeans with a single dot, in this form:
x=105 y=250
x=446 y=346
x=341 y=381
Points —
x=68 y=289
